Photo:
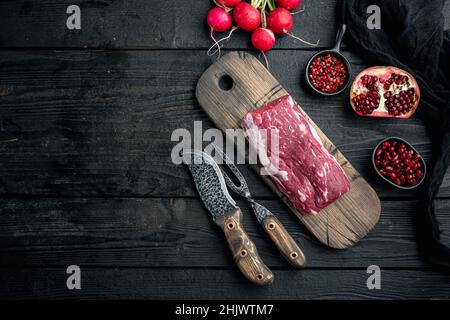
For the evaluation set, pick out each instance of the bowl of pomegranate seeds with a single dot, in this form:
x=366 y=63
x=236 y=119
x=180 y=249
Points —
x=328 y=72
x=398 y=163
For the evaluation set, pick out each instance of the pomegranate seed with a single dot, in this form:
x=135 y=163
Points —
x=378 y=153
x=392 y=176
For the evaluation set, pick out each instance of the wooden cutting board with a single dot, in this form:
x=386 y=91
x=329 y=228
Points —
x=341 y=224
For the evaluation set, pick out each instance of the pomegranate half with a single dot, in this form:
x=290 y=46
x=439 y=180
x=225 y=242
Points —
x=387 y=92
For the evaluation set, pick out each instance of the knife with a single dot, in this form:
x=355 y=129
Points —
x=273 y=227
x=227 y=215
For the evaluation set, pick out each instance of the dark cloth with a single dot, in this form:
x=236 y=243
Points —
x=412 y=37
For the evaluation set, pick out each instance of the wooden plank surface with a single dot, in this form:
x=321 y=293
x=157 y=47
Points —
x=86 y=177
x=180 y=233
x=119 y=283
x=86 y=123
x=141 y=24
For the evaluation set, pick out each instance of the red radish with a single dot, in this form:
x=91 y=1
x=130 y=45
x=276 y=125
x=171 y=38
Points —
x=246 y=17
x=280 y=21
x=263 y=39
x=288 y=4
x=228 y=3
x=219 y=20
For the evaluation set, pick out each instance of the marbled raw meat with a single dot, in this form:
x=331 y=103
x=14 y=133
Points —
x=304 y=170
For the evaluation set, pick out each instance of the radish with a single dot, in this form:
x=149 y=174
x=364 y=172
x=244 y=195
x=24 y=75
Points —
x=227 y=3
x=246 y=16
x=263 y=39
x=288 y=4
x=219 y=21
x=280 y=21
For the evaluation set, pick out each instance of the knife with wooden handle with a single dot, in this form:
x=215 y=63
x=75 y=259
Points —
x=244 y=250
x=227 y=215
x=279 y=235
x=273 y=227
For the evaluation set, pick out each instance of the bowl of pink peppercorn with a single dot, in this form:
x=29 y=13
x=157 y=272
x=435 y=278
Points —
x=397 y=162
x=328 y=72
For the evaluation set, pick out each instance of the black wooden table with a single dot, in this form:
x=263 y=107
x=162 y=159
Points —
x=86 y=176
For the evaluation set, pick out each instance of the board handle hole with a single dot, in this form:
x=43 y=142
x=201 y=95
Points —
x=226 y=83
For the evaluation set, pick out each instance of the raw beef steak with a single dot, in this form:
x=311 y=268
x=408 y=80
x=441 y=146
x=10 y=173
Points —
x=303 y=170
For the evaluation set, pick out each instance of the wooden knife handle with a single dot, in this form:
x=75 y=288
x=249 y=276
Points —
x=244 y=250
x=284 y=242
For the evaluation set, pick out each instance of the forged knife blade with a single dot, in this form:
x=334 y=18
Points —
x=227 y=215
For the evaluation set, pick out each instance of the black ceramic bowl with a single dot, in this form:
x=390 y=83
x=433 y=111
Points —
x=409 y=146
x=335 y=51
